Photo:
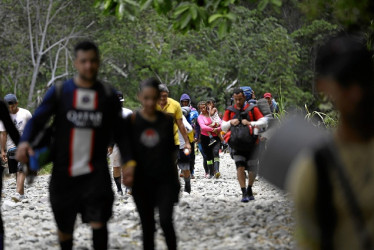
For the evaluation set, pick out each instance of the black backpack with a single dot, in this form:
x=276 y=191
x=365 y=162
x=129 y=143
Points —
x=241 y=138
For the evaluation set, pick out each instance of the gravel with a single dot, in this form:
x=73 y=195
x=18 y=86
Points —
x=211 y=217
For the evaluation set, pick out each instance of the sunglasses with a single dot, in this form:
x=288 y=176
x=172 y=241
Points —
x=11 y=103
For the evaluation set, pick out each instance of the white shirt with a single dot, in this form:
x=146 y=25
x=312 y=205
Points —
x=19 y=119
x=126 y=112
x=188 y=126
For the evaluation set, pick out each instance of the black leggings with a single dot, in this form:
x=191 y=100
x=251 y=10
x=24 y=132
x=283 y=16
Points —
x=1 y=218
x=192 y=157
x=146 y=201
x=212 y=151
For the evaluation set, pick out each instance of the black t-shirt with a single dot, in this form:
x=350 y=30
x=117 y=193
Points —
x=86 y=120
x=153 y=149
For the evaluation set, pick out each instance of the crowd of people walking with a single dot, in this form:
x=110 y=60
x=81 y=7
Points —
x=149 y=149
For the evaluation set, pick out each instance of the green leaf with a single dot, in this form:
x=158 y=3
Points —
x=120 y=10
x=262 y=4
x=277 y=3
x=180 y=9
x=107 y=4
x=186 y=19
x=214 y=17
x=145 y=4
x=231 y=17
x=193 y=12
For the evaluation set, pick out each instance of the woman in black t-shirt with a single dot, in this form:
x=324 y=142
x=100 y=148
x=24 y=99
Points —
x=155 y=179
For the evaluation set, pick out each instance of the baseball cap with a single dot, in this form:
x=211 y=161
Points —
x=267 y=95
x=10 y=98
x=120 y=96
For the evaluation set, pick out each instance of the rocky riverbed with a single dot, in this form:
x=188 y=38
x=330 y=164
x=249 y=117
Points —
x=211 y=217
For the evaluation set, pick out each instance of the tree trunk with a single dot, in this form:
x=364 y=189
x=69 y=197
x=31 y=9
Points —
x=33 y=81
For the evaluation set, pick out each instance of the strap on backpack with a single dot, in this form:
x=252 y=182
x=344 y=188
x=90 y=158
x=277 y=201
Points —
x=238 y=113
x=327 y=157
x=58 y=87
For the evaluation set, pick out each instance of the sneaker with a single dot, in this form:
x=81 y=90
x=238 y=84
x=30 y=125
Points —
x=212 y=141
x=18 y=197
x=251 y=198
x=207 y=176
x=217 y=175
x=187 y=187
x=211 y=176
x=245 y=199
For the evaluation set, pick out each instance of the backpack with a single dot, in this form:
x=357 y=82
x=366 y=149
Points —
x=247 y=92
x=328 y=162
x=264 y=107
x=241 y=138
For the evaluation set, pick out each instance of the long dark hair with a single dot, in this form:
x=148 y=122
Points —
x=347 y=60
x=150 y=83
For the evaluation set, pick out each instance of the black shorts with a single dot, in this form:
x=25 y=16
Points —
x=87 y=195
x=183 y=160
x=248 y=160
x=13 y=165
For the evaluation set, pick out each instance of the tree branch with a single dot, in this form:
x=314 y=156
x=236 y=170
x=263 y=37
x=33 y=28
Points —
x=30 y=32
x=44 y=34
x=76 y=35
x=118 y=69
x=58 y=10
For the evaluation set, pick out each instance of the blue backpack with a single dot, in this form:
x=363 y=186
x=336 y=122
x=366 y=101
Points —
x=247 y=92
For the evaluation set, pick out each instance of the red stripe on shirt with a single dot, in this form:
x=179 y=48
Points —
x=75 y=98
x=96 y=101
x=92 y=149
x=71 y=152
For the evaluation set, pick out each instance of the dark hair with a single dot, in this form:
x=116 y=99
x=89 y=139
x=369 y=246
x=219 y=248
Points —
x=150 y=83
x=201 y=103
x=86 y=46
x=210 y=100
x=347 y=60
x=238 y=91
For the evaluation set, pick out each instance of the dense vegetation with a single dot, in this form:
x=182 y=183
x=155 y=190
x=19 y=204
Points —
x=265 y=45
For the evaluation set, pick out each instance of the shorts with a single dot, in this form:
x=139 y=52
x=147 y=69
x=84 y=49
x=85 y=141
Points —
x=115 y=157
x=87 y=195
x=248 y=160
x=183 y=160
x=13 y=165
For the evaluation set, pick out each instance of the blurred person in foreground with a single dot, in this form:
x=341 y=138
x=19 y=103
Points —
x=332 y=185
x=154 y=180
x=87 y=117
x=15 y=136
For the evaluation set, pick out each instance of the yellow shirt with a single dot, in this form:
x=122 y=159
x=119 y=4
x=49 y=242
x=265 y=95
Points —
x=358 y=163
x=174 y=109
x=191 y=136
